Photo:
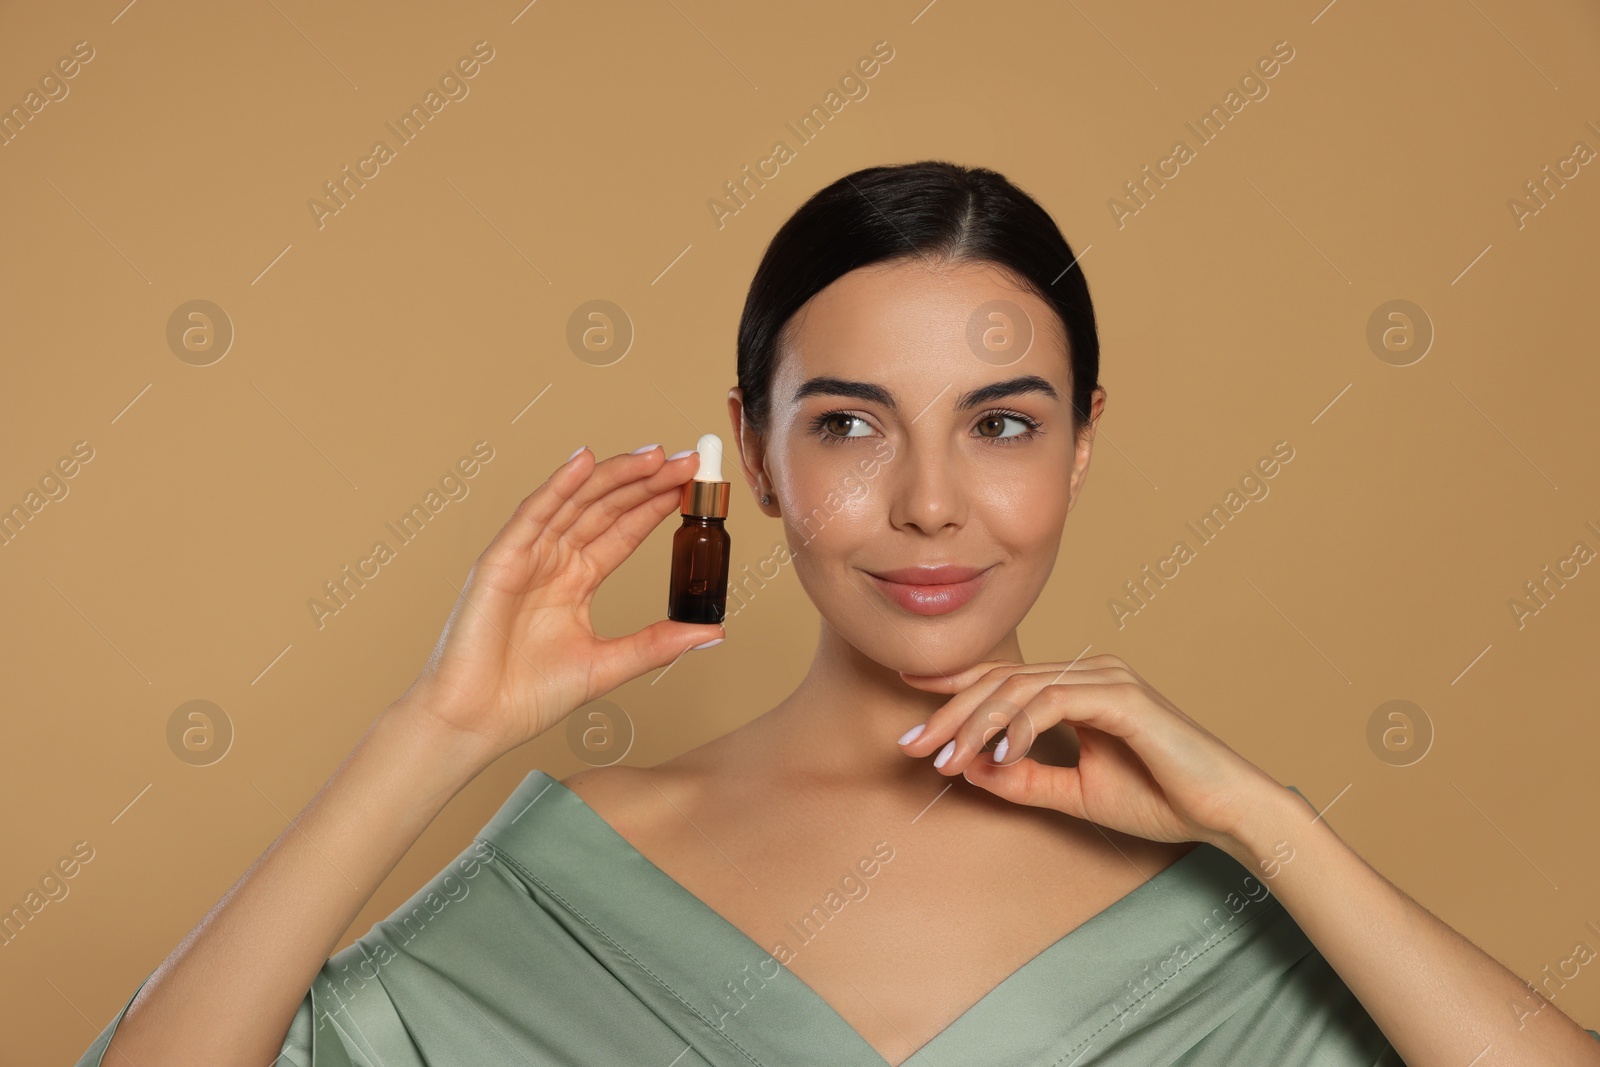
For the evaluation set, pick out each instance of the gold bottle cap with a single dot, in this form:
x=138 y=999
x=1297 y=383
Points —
x=706 y=494
x=706 y=499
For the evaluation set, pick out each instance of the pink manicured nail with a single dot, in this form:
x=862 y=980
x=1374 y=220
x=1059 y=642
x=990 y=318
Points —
x=680 y=455
x=1000 y=749
x=644 y=448
x=912 y=734
x=944 y=754
x=707 y=644
x=575 y=454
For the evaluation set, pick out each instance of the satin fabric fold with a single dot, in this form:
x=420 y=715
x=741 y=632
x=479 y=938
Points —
x=551 y=940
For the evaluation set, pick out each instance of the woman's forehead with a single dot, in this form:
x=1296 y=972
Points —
x=909 y=321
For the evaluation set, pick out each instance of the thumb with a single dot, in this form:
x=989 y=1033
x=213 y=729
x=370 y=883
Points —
x=952 y=683
x=622 y=659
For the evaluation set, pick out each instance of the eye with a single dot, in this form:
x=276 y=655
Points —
x=835 y=427
x=823 y=426
x=992 y=426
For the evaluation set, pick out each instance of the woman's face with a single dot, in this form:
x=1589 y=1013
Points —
x=902 y=435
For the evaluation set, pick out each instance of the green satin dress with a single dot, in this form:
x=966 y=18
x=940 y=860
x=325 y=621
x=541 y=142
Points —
x=553 y=941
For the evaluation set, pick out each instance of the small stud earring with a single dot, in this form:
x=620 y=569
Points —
x=765 y=499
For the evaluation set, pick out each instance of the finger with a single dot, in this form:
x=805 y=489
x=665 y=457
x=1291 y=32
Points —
x=1027 y=781
x=621 y=659
x=1145 y=738
x=1109 y=707
x=954 y=683
x=603 y=512
x=951 y=683
x=607 y=551
x=936 y=731
x=1005 y=722
x=943 y=724
x=606 y=476
x=1106 y=659
x=528 y=519
x=1014 y=714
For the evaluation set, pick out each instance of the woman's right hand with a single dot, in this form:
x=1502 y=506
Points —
x=518 y=653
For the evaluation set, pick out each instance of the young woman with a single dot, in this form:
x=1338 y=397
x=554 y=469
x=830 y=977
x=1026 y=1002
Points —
x=932 y=852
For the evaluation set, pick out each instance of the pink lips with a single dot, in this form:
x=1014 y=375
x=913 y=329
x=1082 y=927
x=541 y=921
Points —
x=930 y=590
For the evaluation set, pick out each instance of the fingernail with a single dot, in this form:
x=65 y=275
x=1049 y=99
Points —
x=644 y=448
x=1000 y=749
x=707 y=644
x=944 y=754
x=575 y=454
x=680 y=455
x=912 y=734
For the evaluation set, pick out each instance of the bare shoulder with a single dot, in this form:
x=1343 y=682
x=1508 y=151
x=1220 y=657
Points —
x=613 y=792
x=626 y=796
x=629 y=798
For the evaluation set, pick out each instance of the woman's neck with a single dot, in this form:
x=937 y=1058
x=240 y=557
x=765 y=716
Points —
x=846 y=716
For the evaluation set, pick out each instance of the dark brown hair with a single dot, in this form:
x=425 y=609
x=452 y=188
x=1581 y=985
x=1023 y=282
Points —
x=932 y=209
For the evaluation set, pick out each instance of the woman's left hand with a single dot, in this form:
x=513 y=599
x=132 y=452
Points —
x=1144 y=767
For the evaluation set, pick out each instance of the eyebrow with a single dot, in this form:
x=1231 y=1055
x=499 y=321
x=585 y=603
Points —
x=871 y=392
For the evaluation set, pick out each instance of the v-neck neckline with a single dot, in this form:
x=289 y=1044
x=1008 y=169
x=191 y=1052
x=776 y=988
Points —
x=539 y=785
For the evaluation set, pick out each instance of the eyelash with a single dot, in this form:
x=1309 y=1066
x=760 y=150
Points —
x=1032 y=431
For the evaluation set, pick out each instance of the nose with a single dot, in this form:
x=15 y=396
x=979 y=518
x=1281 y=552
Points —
x=927 y=494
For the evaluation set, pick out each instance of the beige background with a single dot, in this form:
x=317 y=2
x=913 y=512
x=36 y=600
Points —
x=371 y=354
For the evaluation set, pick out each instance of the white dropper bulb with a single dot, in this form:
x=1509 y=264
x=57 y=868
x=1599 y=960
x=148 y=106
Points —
x=710 y=450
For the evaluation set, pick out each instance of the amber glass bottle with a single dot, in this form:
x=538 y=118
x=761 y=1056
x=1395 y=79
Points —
x=700 y=548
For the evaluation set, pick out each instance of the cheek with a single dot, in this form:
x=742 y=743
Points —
x=828 y=504
x=1025 y=512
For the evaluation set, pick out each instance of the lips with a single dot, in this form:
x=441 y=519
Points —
x=944 y=574
x=933 y=590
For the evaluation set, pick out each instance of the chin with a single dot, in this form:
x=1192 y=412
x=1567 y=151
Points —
x=941 y=648
x=904 y=640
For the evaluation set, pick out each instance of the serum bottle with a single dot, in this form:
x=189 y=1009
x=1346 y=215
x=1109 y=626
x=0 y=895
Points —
x=700 y=547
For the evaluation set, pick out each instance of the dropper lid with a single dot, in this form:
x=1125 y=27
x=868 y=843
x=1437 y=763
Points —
x=706 y=494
